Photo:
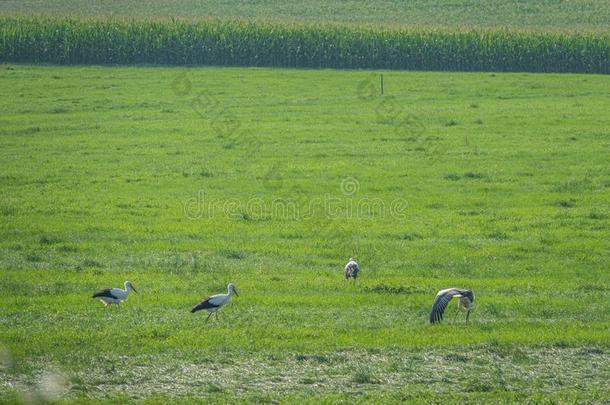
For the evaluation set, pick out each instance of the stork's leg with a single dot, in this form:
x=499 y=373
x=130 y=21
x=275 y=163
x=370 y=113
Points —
x=208 y=318
x=467 y=315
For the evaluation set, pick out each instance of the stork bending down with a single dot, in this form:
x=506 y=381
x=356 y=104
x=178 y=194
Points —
x=465 y=302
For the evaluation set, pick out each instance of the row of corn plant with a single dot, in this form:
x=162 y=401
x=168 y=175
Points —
x=239 y=43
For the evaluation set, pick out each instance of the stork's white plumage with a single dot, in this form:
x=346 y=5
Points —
x=352 y=269
x=465 y=302
x=215 y=302
x=114 y=295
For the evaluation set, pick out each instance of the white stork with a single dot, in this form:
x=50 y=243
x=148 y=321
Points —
x=114 y=295
x=465 y=302
x=215 y=302
x=352 y=269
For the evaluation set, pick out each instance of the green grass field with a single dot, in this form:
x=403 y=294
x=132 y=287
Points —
x=182 y=180
x=555 y=14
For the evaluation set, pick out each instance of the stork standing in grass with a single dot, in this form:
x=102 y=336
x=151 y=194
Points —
x=114 y=295
x=465 y=302
x=215 y=302
x=352 y=269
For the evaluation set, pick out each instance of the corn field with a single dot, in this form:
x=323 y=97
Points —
x=239 y=43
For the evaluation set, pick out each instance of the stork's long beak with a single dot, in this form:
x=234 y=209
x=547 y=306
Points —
x=235 y=291
x=134 y=290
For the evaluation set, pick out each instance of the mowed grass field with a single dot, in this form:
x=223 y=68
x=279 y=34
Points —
x=182 y=180
x=548 y=14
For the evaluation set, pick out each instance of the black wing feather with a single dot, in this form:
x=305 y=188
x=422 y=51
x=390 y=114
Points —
x=440 y=304
x=104 y=293
x=205 y=304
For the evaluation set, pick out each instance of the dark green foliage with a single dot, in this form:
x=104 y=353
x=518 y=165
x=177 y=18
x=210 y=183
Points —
x=239 y=43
